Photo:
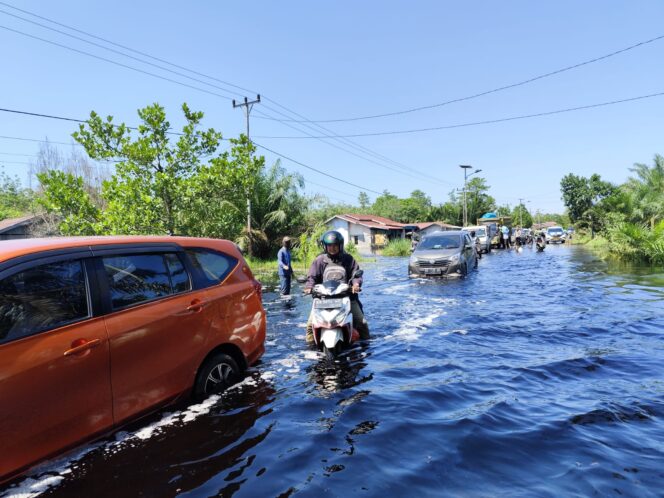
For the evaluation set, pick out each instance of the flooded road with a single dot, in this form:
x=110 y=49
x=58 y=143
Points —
x=542 y=374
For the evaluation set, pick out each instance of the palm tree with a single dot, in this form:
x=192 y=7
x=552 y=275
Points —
x=647 y=191
x=277 y=210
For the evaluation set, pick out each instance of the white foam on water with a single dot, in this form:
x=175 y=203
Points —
x=289 y=362
x=413 y=329
x=456 y=331
x=311 y=355
x=33 y=487
x=396 y=289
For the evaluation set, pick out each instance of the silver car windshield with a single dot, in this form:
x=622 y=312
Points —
x=444 y=242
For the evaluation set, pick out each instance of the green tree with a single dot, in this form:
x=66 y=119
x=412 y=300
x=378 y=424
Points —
x=415 y=208
x=65 y=196
x=521 y=216
x=147 y=192
x=364 y=201
x=504 y=210
x=478 y=200
x=387 y=205
x=581 y=195
x=14 y=200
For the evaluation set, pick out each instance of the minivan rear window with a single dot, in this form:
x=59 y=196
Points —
x=214 y=266
x=42 y=298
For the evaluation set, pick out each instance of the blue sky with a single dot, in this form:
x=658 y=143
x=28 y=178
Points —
x=347 y=59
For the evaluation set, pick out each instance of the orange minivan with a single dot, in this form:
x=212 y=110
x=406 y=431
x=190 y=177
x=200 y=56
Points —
x=95 y=331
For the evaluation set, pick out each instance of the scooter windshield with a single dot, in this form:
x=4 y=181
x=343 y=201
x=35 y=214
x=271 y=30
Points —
x=331 y=285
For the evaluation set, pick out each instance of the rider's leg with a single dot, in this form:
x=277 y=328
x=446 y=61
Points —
x=310 y=328
x=359 y=322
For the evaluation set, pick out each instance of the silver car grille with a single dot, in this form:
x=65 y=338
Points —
x=432 y=263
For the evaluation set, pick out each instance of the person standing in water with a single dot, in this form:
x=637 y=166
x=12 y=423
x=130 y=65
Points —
x=285 y=269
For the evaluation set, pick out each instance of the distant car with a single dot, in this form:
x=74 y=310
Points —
x=555 y=235
x=481 y=233
x=445 y=254
x=97 y=331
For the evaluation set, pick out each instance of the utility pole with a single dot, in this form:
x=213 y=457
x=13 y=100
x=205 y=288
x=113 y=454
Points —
x=520 y=213
x=248 y=106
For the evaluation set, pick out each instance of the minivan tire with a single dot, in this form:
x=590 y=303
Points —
x=217 y=373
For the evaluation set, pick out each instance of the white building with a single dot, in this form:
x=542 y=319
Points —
x=367 y=232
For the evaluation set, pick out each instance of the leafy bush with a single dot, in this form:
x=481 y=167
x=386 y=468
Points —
x=307 y=247
x=635 y=241
x=397 y=247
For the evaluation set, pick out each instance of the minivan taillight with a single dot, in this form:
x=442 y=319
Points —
x=258 y=288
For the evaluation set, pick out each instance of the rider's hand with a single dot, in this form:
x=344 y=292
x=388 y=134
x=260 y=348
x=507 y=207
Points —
x=356 y=288
x=307 y=290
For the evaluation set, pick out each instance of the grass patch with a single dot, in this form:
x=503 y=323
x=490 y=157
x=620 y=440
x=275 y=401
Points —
x=266 y=270
x=397 y=247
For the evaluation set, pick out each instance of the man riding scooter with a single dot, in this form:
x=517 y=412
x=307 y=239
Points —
x=334 y=255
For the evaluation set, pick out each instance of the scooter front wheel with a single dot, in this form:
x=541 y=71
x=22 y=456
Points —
x=332 y=353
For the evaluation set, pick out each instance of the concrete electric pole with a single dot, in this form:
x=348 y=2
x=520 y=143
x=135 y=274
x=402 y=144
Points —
x=248 y=105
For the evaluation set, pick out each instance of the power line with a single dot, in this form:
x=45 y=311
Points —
x=476 y=123
x=494 y=90
x=14 y=154
x=316 y=170
x=114 y=51
x=330 y=134
x=39 y=141
x=49 y=116
x=332 y=137
x=114 y=62
x=62 y=118
x=124 y=47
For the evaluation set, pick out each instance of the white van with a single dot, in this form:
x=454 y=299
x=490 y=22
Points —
x=481 y=233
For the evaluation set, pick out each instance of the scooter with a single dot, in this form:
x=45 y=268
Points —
x=332 y=320
x=540 y=244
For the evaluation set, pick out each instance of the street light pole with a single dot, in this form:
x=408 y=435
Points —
x=466 y=167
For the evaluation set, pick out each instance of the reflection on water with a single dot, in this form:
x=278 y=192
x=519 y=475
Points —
x=539 y=375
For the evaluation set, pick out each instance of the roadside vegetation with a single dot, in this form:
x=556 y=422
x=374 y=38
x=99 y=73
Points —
x=624 y=220
x=400 y=247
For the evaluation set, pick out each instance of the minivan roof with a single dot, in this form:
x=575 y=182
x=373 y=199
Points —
x=18 y=247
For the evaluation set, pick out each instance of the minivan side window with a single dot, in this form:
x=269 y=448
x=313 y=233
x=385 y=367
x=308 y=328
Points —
x=42 y=298
x=135 y=278
x=214 y=266
x=179 y=277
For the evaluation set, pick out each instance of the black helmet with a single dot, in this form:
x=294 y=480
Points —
x=332 y=237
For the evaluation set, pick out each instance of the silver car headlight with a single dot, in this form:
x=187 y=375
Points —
x=454 y=257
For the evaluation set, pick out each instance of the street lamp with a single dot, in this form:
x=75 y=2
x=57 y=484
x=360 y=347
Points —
x=466 y=167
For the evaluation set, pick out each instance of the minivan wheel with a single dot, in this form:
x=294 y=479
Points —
x=217 y=374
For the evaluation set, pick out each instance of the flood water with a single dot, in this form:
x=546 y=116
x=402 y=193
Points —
x=542 y=374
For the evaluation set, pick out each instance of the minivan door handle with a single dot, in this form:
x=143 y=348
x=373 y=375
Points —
x=80 y=346
x=196 y=305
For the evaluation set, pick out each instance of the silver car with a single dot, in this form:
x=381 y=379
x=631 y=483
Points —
x=449 y=253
